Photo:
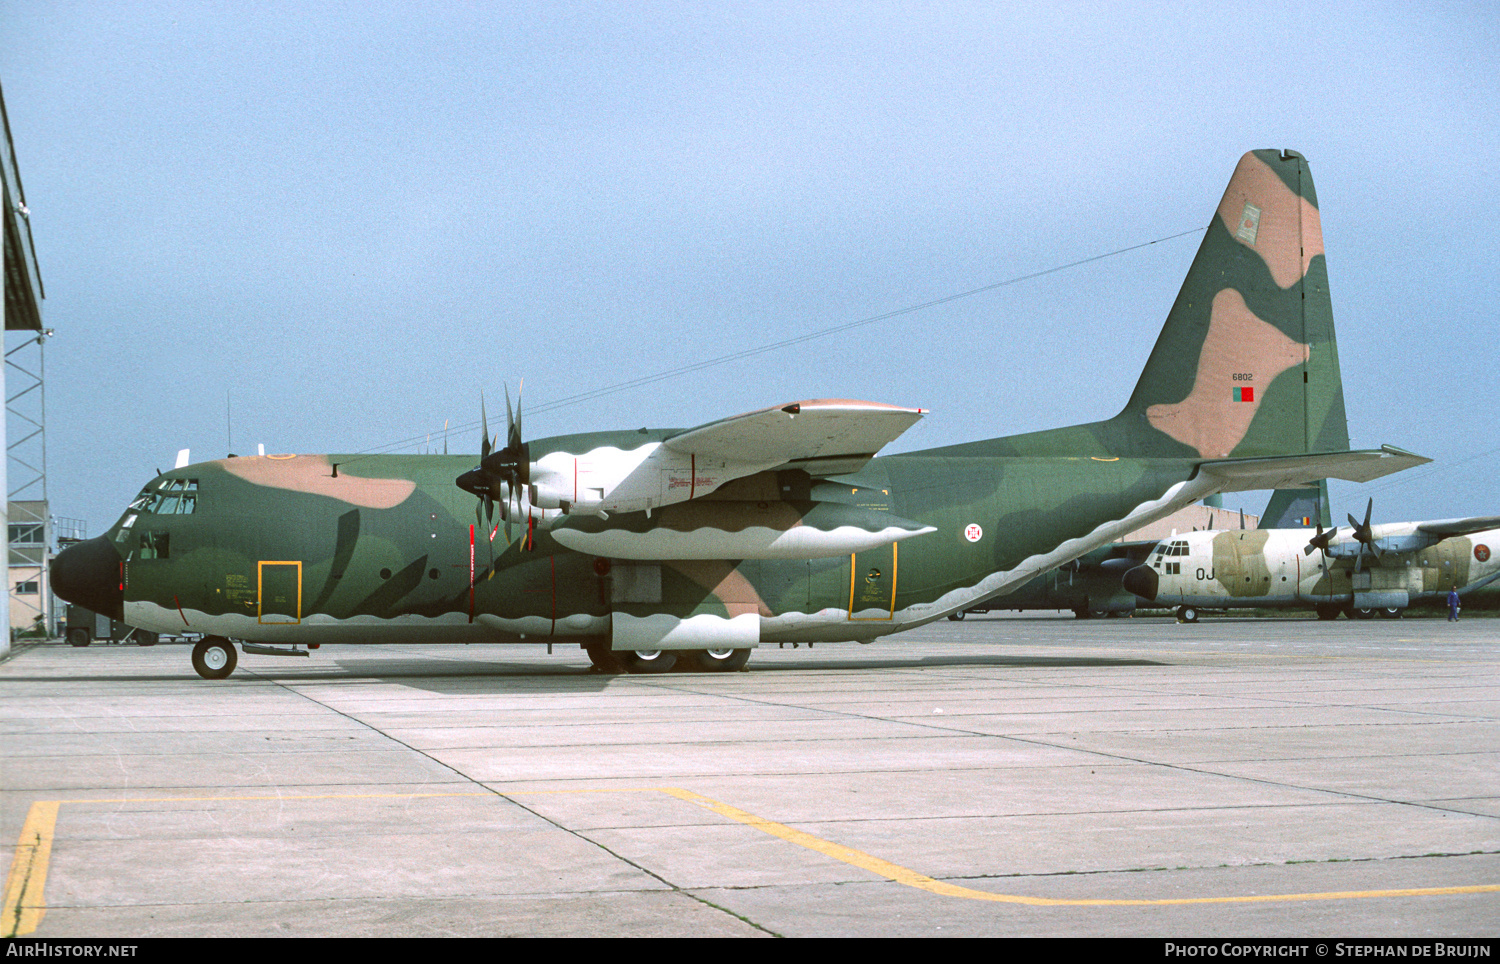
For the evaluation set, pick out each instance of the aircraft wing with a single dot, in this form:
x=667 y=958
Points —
x=1460 y=527
x=821 y=436
x=1295 y=471
x=1115 y=557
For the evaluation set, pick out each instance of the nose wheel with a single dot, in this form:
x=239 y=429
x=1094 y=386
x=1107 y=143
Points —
x=214 y=657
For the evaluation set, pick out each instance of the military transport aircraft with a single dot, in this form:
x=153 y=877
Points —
x=1359 y=570
x=656 y=548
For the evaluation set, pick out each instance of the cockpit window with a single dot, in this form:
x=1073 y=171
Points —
x=124 y=532
x=154 y=545
x=175 y=497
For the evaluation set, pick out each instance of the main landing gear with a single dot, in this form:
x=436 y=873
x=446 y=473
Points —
x=1327 y=611
x=614 y=662
x=714 y=660
x=214 y=657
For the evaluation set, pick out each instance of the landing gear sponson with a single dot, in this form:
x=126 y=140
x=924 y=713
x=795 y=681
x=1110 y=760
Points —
x=214 y=657
x=612 y=661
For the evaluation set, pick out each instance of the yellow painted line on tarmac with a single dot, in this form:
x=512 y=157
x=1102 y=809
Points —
x=24 y=907
x=24 y=904
x=911 y=878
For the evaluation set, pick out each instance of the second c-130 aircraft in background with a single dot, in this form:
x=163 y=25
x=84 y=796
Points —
x=660 y=548
x=1360 y=570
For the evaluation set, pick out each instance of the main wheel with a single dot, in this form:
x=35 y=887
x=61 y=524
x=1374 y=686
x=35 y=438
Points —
x=957 y=617
x=1187 y=614
x=647 y=660
x=1353 y=613
x=143 y=638
x=214 y=657
x=78 y=637
x=604 y=659
x=714 y=660
x=1327 y=612
x=1391 y=612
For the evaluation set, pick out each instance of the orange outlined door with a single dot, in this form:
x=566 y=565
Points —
x=280 y=592
x=872 y=584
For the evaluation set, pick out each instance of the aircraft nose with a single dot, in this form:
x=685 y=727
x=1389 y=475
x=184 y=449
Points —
x=1142 y=580
x=88 y=574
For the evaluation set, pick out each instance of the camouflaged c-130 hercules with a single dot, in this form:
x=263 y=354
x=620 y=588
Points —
x=656 y=548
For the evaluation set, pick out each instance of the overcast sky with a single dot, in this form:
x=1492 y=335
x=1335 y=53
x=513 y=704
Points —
x=349 y=220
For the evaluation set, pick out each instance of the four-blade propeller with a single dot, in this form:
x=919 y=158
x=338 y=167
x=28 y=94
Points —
x=501 y=473
x=1364 y=535
x=1321 y=540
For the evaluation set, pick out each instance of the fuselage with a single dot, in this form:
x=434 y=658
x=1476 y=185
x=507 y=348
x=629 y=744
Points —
x=286 y=549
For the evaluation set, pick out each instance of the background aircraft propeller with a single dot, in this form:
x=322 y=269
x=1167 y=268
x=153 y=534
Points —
x=1364 y=535
x=1321 y=540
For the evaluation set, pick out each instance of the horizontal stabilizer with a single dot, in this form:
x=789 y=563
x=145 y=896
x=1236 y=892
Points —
x=1296 y=471
x=823 y=436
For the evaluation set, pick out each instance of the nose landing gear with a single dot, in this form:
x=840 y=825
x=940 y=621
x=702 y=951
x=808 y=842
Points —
x=214 y=657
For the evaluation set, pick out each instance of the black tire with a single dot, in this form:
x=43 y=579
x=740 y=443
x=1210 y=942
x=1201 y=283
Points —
x=214 y=657
x=714 y=660
x=143 y=638
x=604 y=659
x=957 y=617
x=1081 y=613
x=79 y=637
x=1327 y=612
x=1353 y=613
x=1187 y=614
x=647 y=661
x=1391 y=612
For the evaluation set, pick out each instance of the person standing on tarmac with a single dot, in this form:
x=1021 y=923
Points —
x=1453 y=605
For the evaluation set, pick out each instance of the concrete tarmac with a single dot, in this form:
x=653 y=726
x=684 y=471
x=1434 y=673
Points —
x=999 y=776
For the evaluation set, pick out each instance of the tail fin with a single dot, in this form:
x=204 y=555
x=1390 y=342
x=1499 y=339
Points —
x=1246 y=364
x=1298 y=508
